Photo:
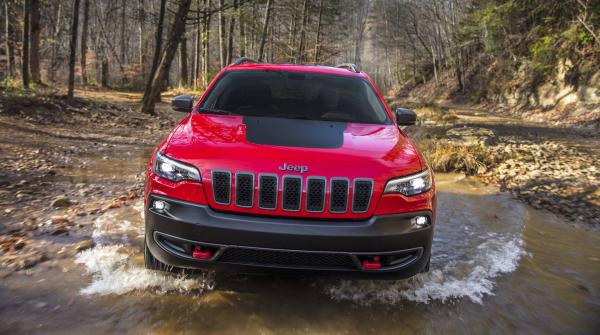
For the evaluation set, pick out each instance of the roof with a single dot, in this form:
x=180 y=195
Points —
x=297 y=67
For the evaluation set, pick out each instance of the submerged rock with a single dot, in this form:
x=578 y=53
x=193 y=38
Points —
x=61 y=202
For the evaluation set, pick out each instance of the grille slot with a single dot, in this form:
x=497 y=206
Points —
x=221 y=185
x=338 y=202
x=287 y=258
x=267 y=191
x=244 y=189
x=292 y=193
x=361 y=195
x=315 y=194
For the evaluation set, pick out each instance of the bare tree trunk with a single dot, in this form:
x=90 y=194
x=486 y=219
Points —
x=34 y=49
x=318 y=42
x=252 y=37
x=104 y=73
x=231 y=33
x=242 y=24
x=175 y=35
x=55 y=45
x=10 y=41
x=222 y=55
x=300 y=51
x=157 y=50
x=206 y=43
x=198 y=38
x=122 y=42
x=263 y=38
x=141 y=18
x=25 y=54
x=84 y=38
x=183 y=61
x=73 y=48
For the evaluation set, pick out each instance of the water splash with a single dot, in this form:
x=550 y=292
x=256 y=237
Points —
x=115 y=261
x=114 y=273
x=477 y=239
x=442 y=285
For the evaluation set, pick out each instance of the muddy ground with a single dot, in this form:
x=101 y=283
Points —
x=66 y=162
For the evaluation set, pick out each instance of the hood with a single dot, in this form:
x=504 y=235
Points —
x=262 y=145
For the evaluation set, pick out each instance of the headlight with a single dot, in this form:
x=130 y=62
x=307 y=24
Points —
x=410 y=185
x=173 y=170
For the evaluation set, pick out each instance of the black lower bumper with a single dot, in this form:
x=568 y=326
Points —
x=246 y=243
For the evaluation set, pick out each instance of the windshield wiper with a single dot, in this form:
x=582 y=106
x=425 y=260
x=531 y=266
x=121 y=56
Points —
x=216 y=111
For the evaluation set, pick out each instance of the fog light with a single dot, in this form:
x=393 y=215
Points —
x=420 y=221
x=160 y=205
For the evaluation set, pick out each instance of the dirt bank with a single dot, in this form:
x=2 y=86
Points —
x=549 y=167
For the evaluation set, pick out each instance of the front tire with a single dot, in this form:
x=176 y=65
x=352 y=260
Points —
x=426 y=268
x=151 y=263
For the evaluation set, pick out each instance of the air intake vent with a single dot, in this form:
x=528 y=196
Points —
x=339 y=195
x=315 y=194
x=295 y=259
x=361 y=195
x=292 y=193
x=267 y=191
x=244 y=189
x=221 y=185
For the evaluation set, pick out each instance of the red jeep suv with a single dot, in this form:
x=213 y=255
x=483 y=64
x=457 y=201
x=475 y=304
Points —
x=290 y=167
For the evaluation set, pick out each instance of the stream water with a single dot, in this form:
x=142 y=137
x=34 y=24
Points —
x=498 y=266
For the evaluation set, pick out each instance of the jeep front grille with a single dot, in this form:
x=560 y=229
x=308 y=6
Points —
x=295 y=193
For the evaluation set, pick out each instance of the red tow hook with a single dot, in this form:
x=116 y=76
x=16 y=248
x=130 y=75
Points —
x=200 y=253
x=372 y=264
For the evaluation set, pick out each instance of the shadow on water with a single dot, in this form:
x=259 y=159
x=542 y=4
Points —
x=498 y=266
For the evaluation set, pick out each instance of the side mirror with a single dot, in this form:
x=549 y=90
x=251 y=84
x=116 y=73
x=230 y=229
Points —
x=405 y=117
x=183 y=103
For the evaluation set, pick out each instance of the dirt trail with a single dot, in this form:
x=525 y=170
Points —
x=65 y=162
x=548 y=167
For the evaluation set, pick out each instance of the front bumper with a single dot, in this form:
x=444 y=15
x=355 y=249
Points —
x=247 y=243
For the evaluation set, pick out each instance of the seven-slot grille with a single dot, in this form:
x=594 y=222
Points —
x=292 y=188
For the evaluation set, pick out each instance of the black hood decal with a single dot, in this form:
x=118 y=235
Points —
x=294 y=132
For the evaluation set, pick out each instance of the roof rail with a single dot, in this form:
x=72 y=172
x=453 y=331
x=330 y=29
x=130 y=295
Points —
x=349 y=66
x=243 y=60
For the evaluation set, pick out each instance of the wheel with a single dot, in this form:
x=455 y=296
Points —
x=426 y=268
x=151 y=263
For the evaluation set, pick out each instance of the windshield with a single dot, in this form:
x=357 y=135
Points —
x=296 y=95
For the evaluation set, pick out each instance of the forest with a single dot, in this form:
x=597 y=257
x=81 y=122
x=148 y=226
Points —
x=155 y=45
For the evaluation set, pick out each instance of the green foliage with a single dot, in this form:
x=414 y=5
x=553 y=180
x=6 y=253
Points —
x=15 y=86
x=539 y=32
x=544 y=53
